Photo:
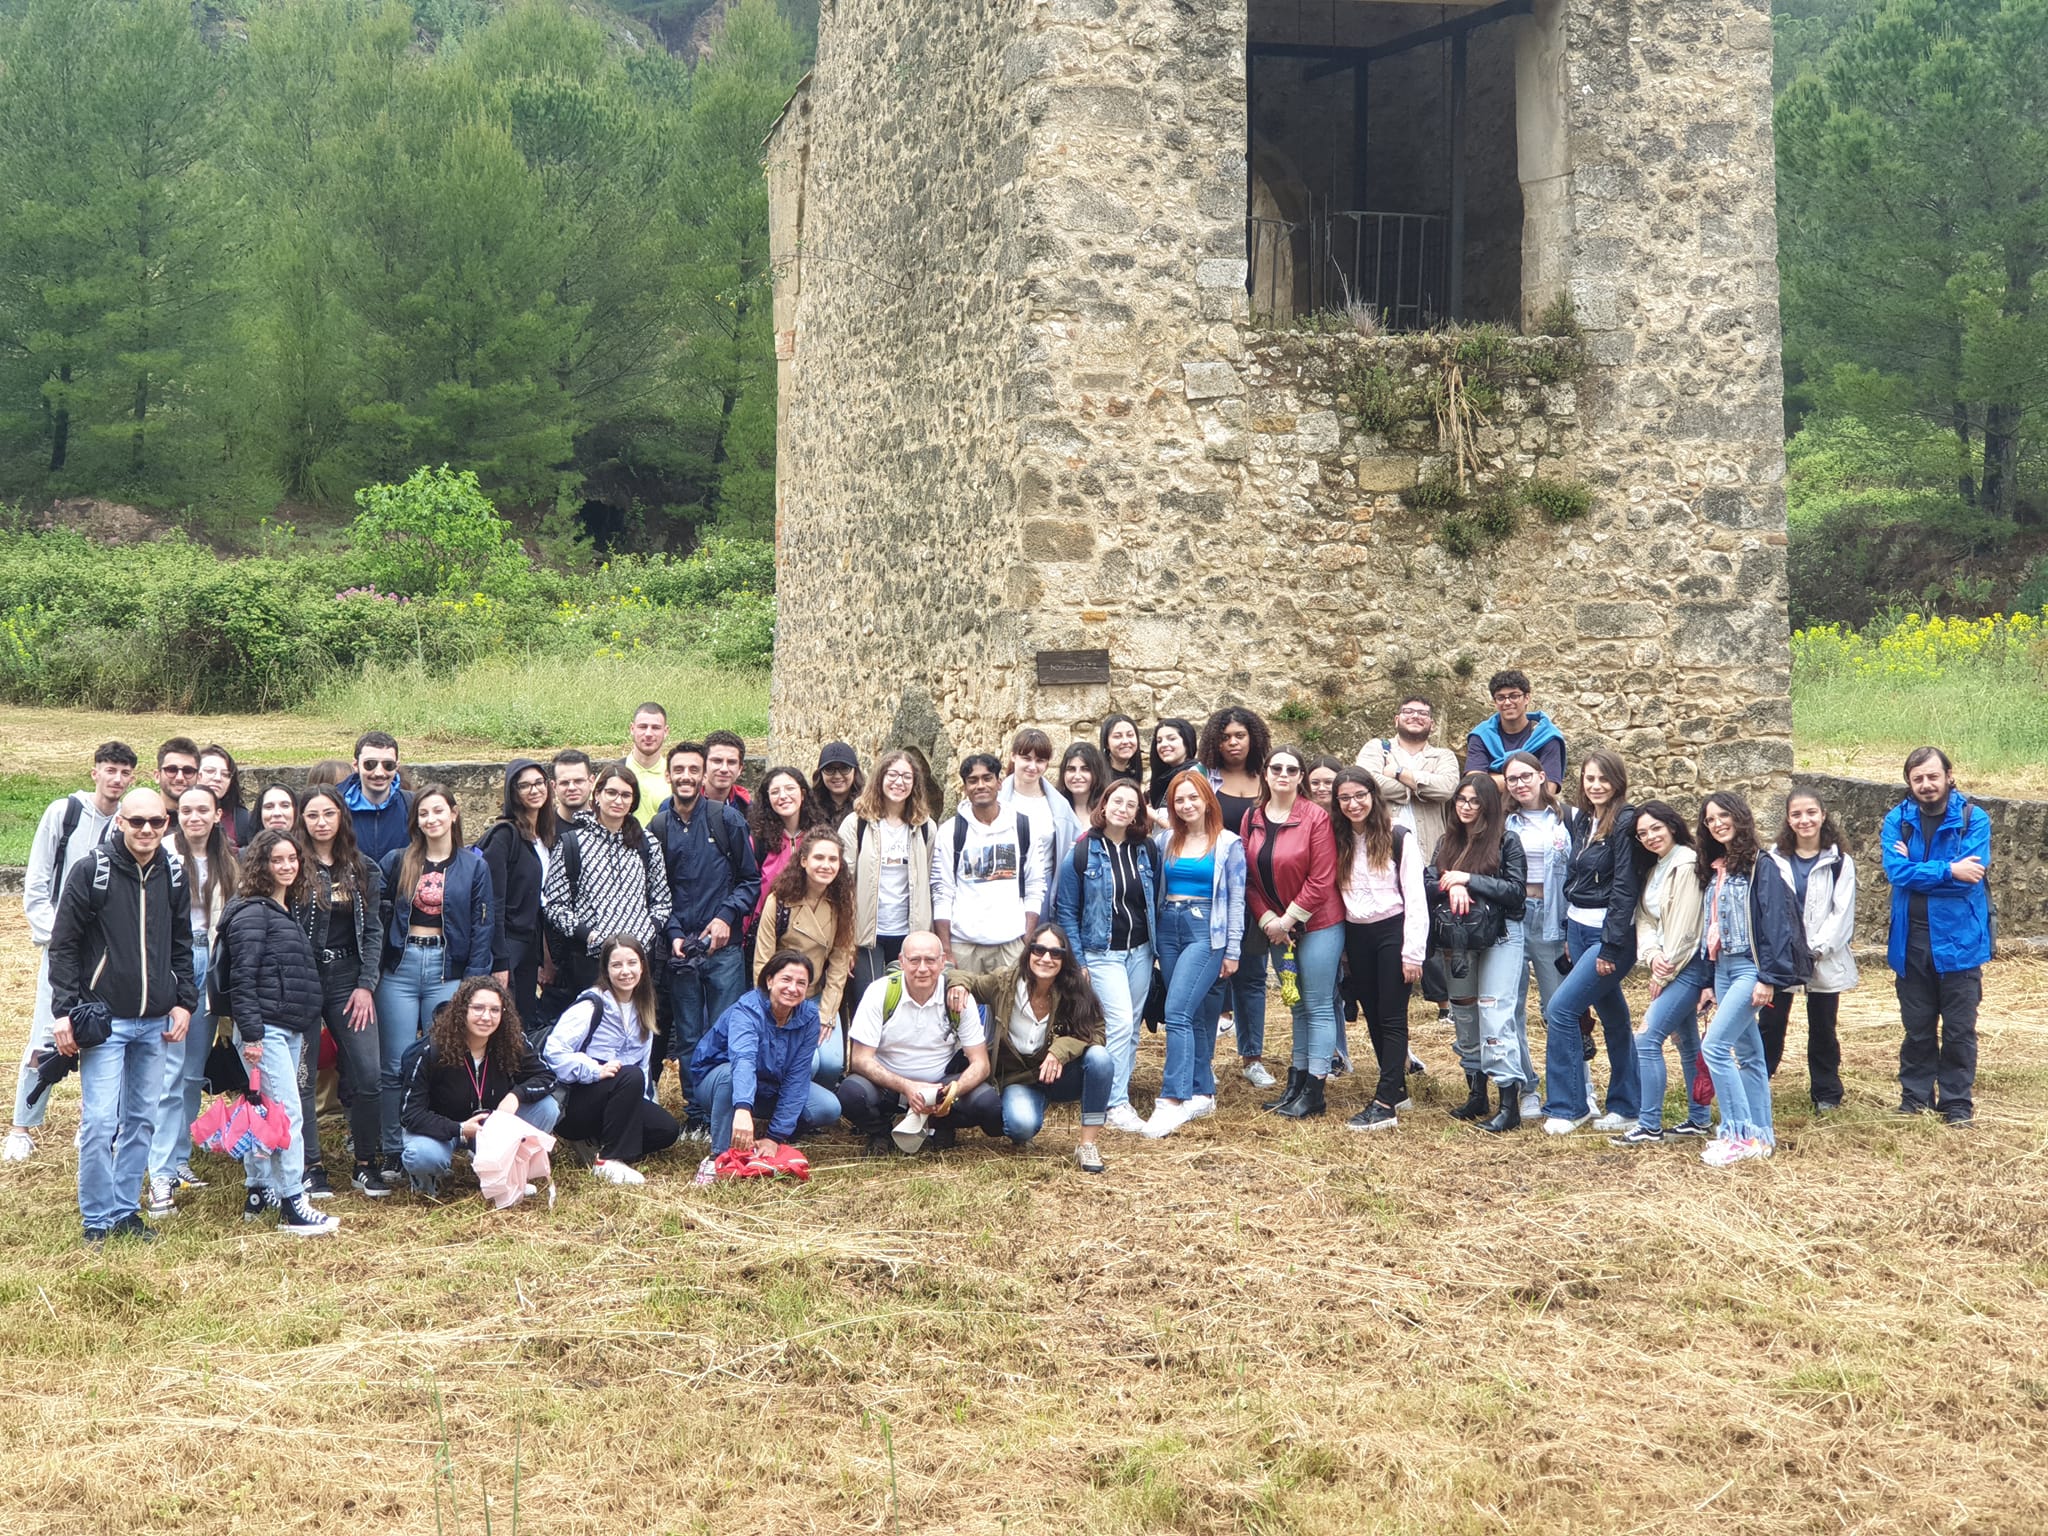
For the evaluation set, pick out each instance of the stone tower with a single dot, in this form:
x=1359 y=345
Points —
x=1071 y=308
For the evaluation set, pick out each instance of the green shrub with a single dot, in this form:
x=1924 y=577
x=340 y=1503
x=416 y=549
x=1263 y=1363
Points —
x=1483 y=349
x=1436 y=492
x=1560 y=318
x=435 y=535
x=1460 y=535
x=1493 y=515
x=1382 y=398
x=1562 y=501
x=1556 y=362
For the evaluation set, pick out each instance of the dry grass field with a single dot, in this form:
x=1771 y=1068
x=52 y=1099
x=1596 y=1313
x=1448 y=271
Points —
x=1249 y=1327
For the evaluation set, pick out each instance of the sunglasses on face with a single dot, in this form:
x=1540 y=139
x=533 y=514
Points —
x=177 y=771
x=380 y=765
x=154 y=823
x=1288 y=769
x=1045 y=952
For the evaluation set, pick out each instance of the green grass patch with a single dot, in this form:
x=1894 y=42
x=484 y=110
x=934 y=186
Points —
x=23 y=799
x=548 y=701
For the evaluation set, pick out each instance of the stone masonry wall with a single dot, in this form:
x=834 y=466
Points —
x=1185 y=491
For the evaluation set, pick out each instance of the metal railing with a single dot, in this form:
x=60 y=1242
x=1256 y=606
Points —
x=1396 y=264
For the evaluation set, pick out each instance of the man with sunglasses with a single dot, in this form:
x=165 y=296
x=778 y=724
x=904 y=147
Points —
x=375 y=799
x=121 y=980
x=70 y=828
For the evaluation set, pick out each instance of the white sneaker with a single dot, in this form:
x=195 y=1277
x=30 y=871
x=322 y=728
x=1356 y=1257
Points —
x=1592 y=1100
x=1719 y=1154
x=1612 y=1122
x=1558 y=1126
x=18 y=1148
x=613 y=1171
x=1167 y=1117
x=1201 y=1106
x=1257 y=1075
x=1125 y=1118
x=160 y=1202
x=1532 y=1105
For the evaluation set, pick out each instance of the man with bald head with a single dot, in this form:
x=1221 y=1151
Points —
x=907 y=1047
x=121 y=982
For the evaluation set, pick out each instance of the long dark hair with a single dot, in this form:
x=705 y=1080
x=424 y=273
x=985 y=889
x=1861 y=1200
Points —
x=1161 y=775
x=291 y=798
x=1097 y=765
x=1475 y=849
x=629 y=829
x=766 y=823
x=1209 y=749
x=1666 y=815
x=1073 y=999
x=1740 y=850
x=254 y=876
x=220 y=860
x=1136 y=767
x=643 y=993
x=1788 y=841
x=450 y=1042
x=348 y=858
x=830 y=810
x=538 y=826
x=231 y=802
x=415 y=861
x=794 y=883
x=1378 y=836
x=1615 y=773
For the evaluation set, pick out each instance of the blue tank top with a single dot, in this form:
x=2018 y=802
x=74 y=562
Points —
x=1192 y=877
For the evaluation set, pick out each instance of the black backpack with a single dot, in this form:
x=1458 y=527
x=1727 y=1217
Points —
x=1023 y=845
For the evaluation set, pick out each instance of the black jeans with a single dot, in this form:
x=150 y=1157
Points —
x=871 y=963
x=575 y=973
x=1823 y=1044
x=618 y=1115
x=1374 y=953
x=525 y=971
x=356 y=1061
x=1938 y=1057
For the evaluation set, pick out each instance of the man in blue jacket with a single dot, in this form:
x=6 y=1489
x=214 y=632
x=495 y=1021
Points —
x=1514 y=727
x=377 y=803
x=1937 y=853
x=713 y=877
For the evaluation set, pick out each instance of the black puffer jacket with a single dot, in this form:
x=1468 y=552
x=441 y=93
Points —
x=440 y=1095
x=1603 y=875
x=315 y=916
x=1508 y=890
x=273 y=982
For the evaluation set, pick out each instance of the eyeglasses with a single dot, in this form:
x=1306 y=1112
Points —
x=379 y=765
x=922 y=962
x=615 y=792
x=1045 y=952
x=1509 y=696
x=154 y=823
x=1471 y=800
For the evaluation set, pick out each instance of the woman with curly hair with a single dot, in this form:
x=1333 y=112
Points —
x=887 y=838
x=476 y=1060
x=1233 y=749
x=783 y=810
x=810 y=910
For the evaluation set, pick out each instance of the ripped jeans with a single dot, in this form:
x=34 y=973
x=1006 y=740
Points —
x=1483 y=988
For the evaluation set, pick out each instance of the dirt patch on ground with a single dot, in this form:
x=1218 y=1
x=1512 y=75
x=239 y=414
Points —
x=1252 y=1326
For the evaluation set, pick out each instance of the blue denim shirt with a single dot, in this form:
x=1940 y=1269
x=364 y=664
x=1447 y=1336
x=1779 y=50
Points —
x=1084 y=898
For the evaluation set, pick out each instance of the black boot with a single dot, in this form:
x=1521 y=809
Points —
x=1509 y=1117
x=1476 y=1103
x=1290 y=1093
x=1309 y=1105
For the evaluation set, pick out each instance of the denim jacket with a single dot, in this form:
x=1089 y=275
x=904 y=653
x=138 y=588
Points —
x=1226 y=897
x=1553 y=872
x=1085 y=895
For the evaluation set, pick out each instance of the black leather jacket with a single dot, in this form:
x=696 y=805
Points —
x=1508 y=890
x=1603 y=874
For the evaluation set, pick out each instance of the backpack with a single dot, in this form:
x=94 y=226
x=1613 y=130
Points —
x=73 y=810
x=596 y=999
x=1023 y=845
x=892 y=995
x=1152 y=856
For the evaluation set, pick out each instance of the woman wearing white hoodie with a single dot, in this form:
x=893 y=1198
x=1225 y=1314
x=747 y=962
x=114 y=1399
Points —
x=1668 y=946
x=1810 y=855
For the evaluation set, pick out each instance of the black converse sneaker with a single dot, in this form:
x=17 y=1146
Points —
x=298 y=1217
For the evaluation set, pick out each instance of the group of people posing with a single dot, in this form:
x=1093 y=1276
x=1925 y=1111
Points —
x=838 y=946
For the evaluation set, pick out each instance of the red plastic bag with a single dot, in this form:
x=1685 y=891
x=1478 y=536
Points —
x=249 y=1125
x=785 y=1160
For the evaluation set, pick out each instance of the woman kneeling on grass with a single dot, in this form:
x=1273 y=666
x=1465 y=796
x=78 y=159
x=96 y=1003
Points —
x=1046 y=1040
x=1751 y=925
x=598 y=1050
x=1668 y=944
x=754 y=1064
x=476 y=1060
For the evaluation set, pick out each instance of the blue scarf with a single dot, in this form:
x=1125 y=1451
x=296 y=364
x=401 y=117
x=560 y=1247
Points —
x=1541 y=734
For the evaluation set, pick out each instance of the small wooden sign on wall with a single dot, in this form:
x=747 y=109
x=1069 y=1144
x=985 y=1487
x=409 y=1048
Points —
x=1073 y=669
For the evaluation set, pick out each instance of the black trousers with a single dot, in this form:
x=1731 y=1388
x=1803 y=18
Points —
x=618 y=1115
x=1823 y=1044
x=1938 y=1057
x=872 y=1109
x=1373 y=951
x=526 y=980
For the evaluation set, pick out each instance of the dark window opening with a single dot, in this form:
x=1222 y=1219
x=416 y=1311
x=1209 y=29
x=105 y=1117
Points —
x=1383 y=158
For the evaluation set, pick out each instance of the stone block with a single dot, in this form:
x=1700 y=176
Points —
x=1389 y=473
x=1318 y=432
x=1725 y=762
x=1618 y=621
x=1048 y=539
x=1220 y=274
x=1210 y=381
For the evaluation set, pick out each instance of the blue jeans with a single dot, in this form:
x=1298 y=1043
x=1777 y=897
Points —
x=407 y=997
x=1121 y=979
x=1540 y=956
x=1672 y=1015
x=119 y=1083
x=830 y=1063
x=427 y=1159
x=1244 y=994
x=820 y=1111
x=1316 y=956
x=1564 y=1052
x=1087 y=1080
x=1734 y=1048
x=282 y=1173
x=699 y=996
x=184 y=1079
x=41 y=1041
x=1482 y=987
x=1190 y=968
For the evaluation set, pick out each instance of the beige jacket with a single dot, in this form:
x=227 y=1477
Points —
x=864 y=857
x=1436 y=775
x=1672 y=936
x=813 y=932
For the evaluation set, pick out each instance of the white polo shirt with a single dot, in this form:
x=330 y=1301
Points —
x=918 y=1039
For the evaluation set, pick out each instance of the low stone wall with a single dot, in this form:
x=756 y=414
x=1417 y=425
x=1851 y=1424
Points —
x=2019 y=857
